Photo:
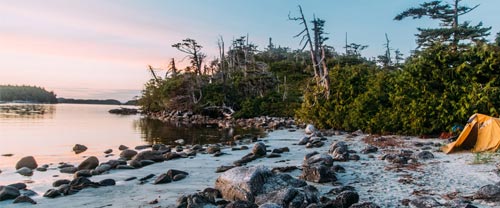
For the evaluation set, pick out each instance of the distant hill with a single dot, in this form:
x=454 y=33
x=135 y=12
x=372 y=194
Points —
x=23 y=93
x=89 y=101
x=131 y=102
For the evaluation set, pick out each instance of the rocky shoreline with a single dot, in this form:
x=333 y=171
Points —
x=291 y=168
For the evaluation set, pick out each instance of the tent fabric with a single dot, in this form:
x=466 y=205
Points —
x=482 y=133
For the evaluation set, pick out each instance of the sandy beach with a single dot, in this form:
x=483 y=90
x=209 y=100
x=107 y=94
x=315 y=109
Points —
x=444 y=178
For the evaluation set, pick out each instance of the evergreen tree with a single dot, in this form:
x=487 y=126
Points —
x=451 y=30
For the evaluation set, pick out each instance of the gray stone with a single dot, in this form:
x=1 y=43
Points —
x=8 y=192
x=304 y=140
x=24 y=199
x=425 y=155
x=347 y=198
x=364 y=205
x=25 y=171
x=318 y=173
x=60 y=182
x=369 y=149
x=179 y=177
x=310 y=129
x=212 y=149
x=259 y=149
x=88 y=164
x=149 y=155
x=78 y=148
x=102 y=168
x=83 y=173
x=163 y=178
x=28 y=162
x=245 y=183
x=108 y=151
x=68 y=170
x=52 y=193
x=18 y=186
x=122 y=147
x=141 y=147
x=424 y=202
x=107 y=182
x=128 y=154
x=489 y=192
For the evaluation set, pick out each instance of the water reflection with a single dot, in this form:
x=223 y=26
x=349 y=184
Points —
x=28 y=111
x=154 y=131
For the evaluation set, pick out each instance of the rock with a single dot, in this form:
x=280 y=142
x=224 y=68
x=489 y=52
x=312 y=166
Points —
x=145 y=178
x=78 y=148
x=29 y=193
x=52 y=193
x=287 y=197
x=273 y=155
x=141 y=147
x=194 y=200
x=81 y=183
x=364 y=205
x=114 y=163
x=131 y=178
x=8 y=192
x=24 y=199
x=259 y=149
x=146 y=163
x=241 y=204
x=122 y=147
x=83 y=173
x=179 y=177
x=284 y=169
x=310 y=129
x=124 y=167
x=321 y=159
x=244 y=147
x=163 y=178
x=424 y=202
x=369 y=149
x=244 y=183
x=317 y=173
x=171 y=156
x=172 y=173
x=347 y=198
x=223 y=168
x=149 y=155
x=101 y=169
x=425 y=155
x=213 y=149
x=270 y=205
x=128 y=154
x=41 y=169
x=68 y=170
x=88 y=164
x=28 y=162
x=339 y=151
x=211 y=194
x=25 y=171
x=354 y=157
x=108 y=151
x=7 y=155
x=60 y=182
x=180 y=141
x=18 y=186
x=489 y=192
x=304 y=140
x=107 y=182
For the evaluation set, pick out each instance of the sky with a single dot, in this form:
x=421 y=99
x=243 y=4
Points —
x=100 y=49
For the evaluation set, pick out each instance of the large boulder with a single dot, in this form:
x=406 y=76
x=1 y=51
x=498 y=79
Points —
x=78 y=148
x=318 y=173
x=339 y=151
x=28 y=162
x=8 y=192
x=245 y=183
x=89 y=164
x=259 y=149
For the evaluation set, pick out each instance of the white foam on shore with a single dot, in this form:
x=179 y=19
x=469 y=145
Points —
x=439 y=176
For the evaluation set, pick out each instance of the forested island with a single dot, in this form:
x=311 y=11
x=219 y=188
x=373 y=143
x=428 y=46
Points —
x=13 y=93
x=89 y=101
x=452 y=74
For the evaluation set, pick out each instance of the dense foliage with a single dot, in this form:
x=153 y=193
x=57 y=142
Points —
x=453 y=74
x=12 y=93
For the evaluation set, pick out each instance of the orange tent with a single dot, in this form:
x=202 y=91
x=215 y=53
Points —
x=482 y=133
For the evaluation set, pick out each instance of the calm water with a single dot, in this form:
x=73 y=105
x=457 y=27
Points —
x=52 y=130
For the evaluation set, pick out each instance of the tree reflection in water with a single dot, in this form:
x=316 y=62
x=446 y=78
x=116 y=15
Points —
x=27 y=111
x=157 y=132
